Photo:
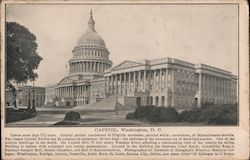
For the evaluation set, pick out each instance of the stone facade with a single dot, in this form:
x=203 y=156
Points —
x=159 y=82
x=171 y=82
x=25 y=96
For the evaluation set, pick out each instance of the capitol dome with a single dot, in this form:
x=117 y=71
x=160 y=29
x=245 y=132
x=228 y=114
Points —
x=90 y=55
x=90 y=38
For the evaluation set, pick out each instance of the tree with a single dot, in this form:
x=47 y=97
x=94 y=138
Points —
x=22 y=57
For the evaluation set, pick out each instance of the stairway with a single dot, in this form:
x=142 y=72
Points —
x=106 y=104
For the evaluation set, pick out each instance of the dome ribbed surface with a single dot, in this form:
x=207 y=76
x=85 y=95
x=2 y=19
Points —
x=90 y=38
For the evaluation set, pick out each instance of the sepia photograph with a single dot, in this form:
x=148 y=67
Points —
x=121 y=80
x=138 y=65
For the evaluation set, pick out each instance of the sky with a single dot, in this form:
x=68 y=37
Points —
x=205 y=34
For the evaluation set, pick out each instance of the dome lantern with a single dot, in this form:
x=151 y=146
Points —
x=91 y=23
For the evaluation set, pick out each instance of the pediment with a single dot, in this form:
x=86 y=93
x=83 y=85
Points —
x=126 y=64
x=65 y=80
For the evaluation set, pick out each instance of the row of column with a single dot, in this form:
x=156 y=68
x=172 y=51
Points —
x=88 y=66
x=73 y=91
x=90 y=53
x=216 y=88
x=154 y=80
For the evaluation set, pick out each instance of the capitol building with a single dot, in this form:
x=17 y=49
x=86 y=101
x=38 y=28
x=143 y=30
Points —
x=160 y=82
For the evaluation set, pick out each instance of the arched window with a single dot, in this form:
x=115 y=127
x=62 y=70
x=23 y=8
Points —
x=156 y=101
x=162 y=100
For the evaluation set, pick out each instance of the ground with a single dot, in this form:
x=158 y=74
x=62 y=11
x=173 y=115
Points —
x=49 y=116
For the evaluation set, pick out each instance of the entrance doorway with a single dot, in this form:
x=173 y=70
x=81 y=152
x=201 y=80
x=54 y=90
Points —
x=156 y=101
x=162 y=100
x=138 y=101
x=67 y=103
x=196 y=102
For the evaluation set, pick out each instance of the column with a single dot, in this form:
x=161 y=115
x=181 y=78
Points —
x=144 y=80
x=63 y=94
x=129 y=81
x=166 y=88
x=79 y=92
x=91 y=66
x=85 y=94
x=112 y=84
x=98 y=70
x=154 y=77
x=116 y=83
x=84 y=67
x=120 y=75
x=160 y=77
x=82 y=95
x=139 y=81
x=82 y=91
x=69 y=91
x=94 y=67
x=60 y=90
x=65 y=91
x=173 y=88
x=125 y=83
x=134 y=82
x=107 y=81
x=200 y=90
x=72 y=91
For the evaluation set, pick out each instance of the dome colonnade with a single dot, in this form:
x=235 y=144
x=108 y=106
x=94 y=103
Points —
x=90 y=55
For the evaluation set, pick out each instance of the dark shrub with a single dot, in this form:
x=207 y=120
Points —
x=154 y=114
x=142 y=112
x=167 y=114
x=207 y=104
x=130 y=116
x=193 y=115
x=211 y=114
x=72 y=116
x=220 y=114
